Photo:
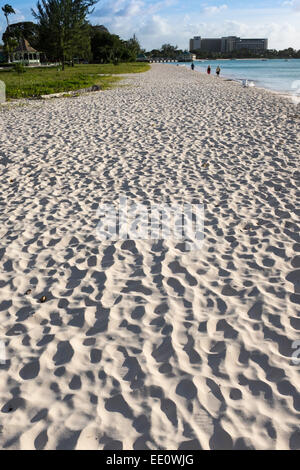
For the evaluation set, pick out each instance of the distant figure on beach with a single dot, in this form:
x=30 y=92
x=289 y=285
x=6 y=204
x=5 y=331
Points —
x=192 y=66
x=208 y=70
x=218 y=70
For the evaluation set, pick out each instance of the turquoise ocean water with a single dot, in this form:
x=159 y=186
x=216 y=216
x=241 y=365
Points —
x=277 y=75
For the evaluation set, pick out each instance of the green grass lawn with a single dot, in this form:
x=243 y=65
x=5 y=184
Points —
x=44 y=81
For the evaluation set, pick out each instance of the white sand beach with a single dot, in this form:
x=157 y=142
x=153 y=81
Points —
x=141 y=344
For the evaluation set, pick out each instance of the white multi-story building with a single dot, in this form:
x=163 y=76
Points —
x=195 y=44
x=227 y=44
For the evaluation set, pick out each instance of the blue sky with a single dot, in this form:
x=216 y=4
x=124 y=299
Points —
x=156 y=22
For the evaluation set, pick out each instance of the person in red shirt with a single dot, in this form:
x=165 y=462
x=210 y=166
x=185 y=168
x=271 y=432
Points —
x=208 y=70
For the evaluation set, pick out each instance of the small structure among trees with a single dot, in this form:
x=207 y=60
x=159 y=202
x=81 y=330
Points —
x=25 y=54
x=142 y=58
x=186 y=57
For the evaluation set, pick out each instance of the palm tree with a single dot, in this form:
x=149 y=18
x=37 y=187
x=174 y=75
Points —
x=8 y=10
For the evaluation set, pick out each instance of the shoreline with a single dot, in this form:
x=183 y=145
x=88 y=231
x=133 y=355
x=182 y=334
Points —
x=141 y=343
x=284 y=93
x=279 y=94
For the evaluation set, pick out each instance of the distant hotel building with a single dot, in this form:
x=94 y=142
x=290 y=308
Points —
x=227 y=44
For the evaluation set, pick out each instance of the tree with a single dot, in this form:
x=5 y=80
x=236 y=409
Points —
x=108 y=47
x=63 y=27
x=9 y=46
x=169 y=51
x=98 y=27
x=8 y=10
x=133 y=47
x=26 y=30
x=105 y=47
x=155 y=53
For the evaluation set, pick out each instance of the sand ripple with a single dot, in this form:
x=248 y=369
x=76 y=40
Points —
x=140 y=344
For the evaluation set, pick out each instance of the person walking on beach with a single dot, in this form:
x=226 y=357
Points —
x=218 y=70
x=192 y=66
x=208 y=70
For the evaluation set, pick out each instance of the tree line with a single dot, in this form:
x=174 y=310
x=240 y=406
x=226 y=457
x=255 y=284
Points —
x=172 y=52
x=63 y=34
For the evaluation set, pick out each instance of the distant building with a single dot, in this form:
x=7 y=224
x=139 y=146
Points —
x=195 y=44
x=186 y=57
x=142 y=58
x=233 y=43
x=253 y=44
x=211 y=45
x=25 y=54
x=205 y=44
x=227 y=44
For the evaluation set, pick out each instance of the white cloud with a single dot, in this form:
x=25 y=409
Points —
x=156 y=7
x=129 y=8
x=213 y=10
x=283 y=35
x=126 y=17
x=18 y=17
x=155 y=26
x=125 y=8
x=294 y=4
